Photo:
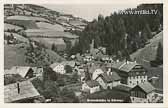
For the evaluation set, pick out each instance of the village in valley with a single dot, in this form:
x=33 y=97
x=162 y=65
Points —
x=47 y=59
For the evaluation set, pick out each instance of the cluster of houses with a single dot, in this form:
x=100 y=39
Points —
x=121 y=75
x=94 y=77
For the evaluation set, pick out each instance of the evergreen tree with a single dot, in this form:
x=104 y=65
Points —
x=159 y=56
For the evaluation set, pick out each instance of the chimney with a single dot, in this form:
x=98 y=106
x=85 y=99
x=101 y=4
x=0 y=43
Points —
x=108 y=72
x=18 y=87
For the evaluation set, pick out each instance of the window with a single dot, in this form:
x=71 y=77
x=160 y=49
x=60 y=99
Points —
x=130 y=82
x=141 y=81
x=137 y=73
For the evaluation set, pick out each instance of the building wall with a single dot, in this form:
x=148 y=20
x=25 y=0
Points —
x=95 y=89
x=59 y=69
x=151 y=96
x=134 y=80
x=101 y=82
x=137 y=75
x=110 y=85
x=86 y=88
x=115 y=83
x=138 y=100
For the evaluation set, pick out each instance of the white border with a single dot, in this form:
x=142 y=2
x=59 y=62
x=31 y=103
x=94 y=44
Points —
x=82 y=105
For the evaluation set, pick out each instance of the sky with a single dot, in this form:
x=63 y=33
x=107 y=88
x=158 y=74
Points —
x=88 y=11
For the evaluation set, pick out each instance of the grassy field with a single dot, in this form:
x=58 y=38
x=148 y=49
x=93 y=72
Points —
x=57 y=27
x=148 y=53
x=14 y=55
x=24 y=23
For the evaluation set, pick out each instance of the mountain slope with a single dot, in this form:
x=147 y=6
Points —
x=149 y=52
x=15 y=56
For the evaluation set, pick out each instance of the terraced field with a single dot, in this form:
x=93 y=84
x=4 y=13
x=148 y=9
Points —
x=43 y=25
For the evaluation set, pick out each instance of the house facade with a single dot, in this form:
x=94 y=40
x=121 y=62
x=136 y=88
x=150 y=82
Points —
x=131 y=73
x=91 y=86
x=145 y=93
x=58 y=68
x=108 y=81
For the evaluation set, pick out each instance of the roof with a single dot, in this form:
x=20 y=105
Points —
x=54 y=65
x=27 y=90
x=92 y=83
x=49 y=33
x=123 y=87
x=146 y=86
x=21 y=70
x=70 y=63
x=124 y=66
x=93 y=68
x=115 y=76
x=109 y=78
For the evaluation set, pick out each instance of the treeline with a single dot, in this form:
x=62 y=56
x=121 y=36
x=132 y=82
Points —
x=121 y=34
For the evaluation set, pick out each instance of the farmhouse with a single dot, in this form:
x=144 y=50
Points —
x=145 y=92
x=23 y=71
x=20 y=92
x=58 y=68
x=91 y=86
x=107 y=81
x=61 y=67
x=131 y=73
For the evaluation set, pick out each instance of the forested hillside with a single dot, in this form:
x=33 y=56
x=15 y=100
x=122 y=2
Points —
x=122 y=34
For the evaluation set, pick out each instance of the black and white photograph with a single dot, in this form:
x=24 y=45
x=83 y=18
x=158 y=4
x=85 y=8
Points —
x=83 y=53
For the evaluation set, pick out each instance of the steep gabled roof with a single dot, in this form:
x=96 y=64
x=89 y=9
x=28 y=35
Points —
x=27 y=90
x=92 y=83
x=146 y=86
x=54 y=65
x=21 y=70
x=106 y=78
x=114 y=76
x=124 y=66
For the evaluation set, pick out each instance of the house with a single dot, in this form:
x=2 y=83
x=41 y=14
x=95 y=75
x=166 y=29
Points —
x=145 y=93
x=61 y=67
x=107 y=58
x=58 y=68
x=38 y=72
x=23 y=71
x=108 y=80
x=88 y=57
x=20 y=92
x=95 y=69
x=91 y=86
x=131 y=73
